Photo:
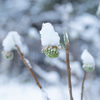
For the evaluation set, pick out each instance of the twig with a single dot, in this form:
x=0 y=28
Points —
x=68 y=70
x=28 y=65
x=83 y=85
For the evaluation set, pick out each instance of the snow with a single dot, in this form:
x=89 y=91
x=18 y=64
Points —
x=49 y=36
x=11 y=39
x=44 y=95
x=87 y=58
x=29 y=91
x=14 y=91
x=28 y=63
x=88 y=61
x=14 y=38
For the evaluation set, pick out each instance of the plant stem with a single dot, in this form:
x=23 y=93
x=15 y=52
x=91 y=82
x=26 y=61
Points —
x=28 y=65
x=68 y=70
x=83 y=85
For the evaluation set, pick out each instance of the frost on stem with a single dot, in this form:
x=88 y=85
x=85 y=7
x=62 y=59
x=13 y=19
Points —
x=50 y=40
x=28 y=63
x=88 y=61
x=98 y=11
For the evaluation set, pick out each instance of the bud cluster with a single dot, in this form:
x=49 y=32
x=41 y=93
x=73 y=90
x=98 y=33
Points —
x=52 y=52
x=88 y=67
x=7 y=55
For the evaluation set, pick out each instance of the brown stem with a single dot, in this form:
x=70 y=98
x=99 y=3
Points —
x=68 y=71
x=83 y=85
x=28 y=65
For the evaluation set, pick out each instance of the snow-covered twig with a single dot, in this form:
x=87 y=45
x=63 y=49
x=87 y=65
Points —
x=83 y=85
x=88 y=65
x=28 y=65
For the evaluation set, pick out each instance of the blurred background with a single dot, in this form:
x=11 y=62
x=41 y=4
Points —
x=78 y=18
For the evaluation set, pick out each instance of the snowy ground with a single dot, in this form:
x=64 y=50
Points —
x=29 y=91
x=11 y=89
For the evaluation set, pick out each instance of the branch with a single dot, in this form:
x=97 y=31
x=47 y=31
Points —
x=83 y=85
x=28 y=65
x=68 y=70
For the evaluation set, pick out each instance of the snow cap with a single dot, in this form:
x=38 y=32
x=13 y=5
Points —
x=11 y=39
x=87 y=57
x=88 y=61
x=49 y=36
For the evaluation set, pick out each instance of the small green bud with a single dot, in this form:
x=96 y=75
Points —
x=88 y=67
x=52 y=52
x=8 y=55
x=66 y=38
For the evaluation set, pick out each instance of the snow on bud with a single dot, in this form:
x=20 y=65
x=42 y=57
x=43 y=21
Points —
x=88 y=61
x=49 y=36
x=50 y=40
x=98 y=11
x=11 y=39
x=8 y=55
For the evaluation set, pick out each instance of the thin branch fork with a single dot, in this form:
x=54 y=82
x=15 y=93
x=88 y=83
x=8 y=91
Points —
x=68 y=70
x=83 y=85
x=27 y=65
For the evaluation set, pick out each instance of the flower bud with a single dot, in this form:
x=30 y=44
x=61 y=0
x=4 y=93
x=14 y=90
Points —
x=52 y=52
x=8 y=55
x=88 y=67
x=88 y=61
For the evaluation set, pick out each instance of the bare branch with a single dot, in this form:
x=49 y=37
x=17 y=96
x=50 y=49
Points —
x=83 y=85
x=68 y=70
x=28 y=65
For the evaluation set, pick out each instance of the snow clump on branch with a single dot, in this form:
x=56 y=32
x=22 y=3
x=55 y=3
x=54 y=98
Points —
x=88 y=61
x=12 y=39
x=50 y=40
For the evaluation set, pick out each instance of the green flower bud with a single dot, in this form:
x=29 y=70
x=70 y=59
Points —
x=8 y=55
x=88 y=67
x=52 y=52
